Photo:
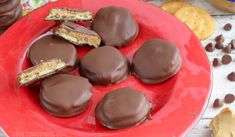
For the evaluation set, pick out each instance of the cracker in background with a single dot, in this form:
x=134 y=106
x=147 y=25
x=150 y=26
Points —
x=172 y=6
x=198 y=20
x=223 y=125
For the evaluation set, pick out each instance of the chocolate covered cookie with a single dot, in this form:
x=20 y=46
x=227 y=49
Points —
x=65 y=95
x=156 y=61
x=104 y=65
x=10 y=17
x=116 y=26
x=49 y=47
x=40 y=71
x=69 y=14
x=77 y=34
x=6 y=6
x=123 y=108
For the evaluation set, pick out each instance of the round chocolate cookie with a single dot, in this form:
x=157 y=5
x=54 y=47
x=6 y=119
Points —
x=156 y=61
x=65 y=95
x=104 y=65
x=116 y=26
x=8 y=5
x=49 y=47
x=10 y=17
x=123 y=108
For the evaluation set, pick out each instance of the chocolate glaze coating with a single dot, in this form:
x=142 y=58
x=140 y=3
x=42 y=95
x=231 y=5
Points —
x=116 y=26
x=8 y=5
x=104 y=65
x=65 y=95
x=123 y=108
x=49 y=47
x=10 y=17
x=156 y=61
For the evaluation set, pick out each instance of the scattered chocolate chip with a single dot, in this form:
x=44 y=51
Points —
x=228 y=49
x=231 y=76
x=219 y=38
x=233 y=43
x=219 y=45
x=229 y=98
x=226 y=59
x=217 y=103
x=228 y=27
x=216 y=62
x=209 y=47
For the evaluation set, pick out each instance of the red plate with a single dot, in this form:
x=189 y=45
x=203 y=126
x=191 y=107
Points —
x=179 y=102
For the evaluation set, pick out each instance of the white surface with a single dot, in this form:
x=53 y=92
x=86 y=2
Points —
x=221 y=86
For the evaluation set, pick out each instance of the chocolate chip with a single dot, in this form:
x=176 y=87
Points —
x=229 y=98
x=216 y=62
x=226 y=59
x=219 y=45
x=228 y=27
x=209 y=47
x=233 y=43
x=227 y=49
x=219 y=38
x=217 y=103
x=231 y=76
